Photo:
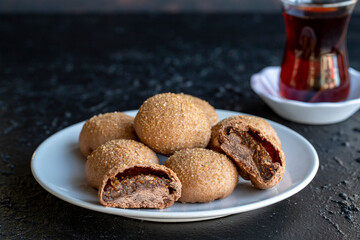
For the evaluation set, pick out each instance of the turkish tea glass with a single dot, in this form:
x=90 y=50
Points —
x=315 y=63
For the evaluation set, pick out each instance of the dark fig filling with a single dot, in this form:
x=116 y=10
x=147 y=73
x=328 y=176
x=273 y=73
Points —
x=269 y=148
x=248 y=148
x=137 y=183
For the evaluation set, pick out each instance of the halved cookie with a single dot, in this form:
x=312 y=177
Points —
x=254 y=147
x=139 y=186
x=114 y=153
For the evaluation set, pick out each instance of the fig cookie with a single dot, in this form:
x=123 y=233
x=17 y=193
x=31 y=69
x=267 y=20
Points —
x=114 y=153
x=254 y=147
x=139 y=186
x=205 y=175
x=169 y=122
x=105 y=127
x=205 y=107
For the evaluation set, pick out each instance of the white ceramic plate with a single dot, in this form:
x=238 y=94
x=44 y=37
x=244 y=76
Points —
x=265 y=84
x=58 y=166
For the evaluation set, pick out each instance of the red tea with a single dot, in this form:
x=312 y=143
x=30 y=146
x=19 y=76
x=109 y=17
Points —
x=315 y=64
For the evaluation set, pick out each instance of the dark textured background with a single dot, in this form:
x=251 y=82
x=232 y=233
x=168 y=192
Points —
x=116 y=6
x=57 y=70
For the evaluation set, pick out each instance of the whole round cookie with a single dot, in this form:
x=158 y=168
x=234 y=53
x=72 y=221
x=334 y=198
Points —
x=169 y=122
x=205 y=107
x=114 y=153
x=104 y=127
x=205 y=175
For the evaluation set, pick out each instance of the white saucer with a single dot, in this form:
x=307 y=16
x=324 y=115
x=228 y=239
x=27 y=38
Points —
x=265 y=84
x=59 y=167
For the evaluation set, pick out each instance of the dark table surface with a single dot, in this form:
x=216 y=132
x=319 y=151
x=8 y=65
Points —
x=59 y=70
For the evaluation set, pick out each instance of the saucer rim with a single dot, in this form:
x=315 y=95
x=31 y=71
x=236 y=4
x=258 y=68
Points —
x=299 y=103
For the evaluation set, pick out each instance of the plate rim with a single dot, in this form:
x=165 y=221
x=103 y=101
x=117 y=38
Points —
x=148 y=214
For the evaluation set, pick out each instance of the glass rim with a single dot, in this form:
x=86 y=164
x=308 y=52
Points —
x=321 y=5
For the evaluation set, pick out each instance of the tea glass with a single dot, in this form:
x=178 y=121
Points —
x=315 y=62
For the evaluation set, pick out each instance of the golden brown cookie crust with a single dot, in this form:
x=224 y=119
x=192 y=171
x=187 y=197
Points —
x=263 y=163
x=105 y=127
x=147 y=194
x=205 y=107
x=169 y=122
x=205 y=175
x=114 y=153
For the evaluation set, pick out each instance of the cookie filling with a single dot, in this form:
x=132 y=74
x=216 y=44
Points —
x=138 y=185
x=251 y=152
